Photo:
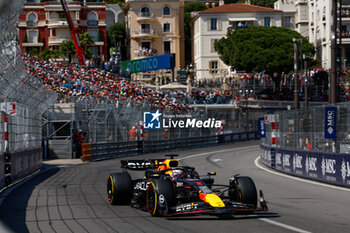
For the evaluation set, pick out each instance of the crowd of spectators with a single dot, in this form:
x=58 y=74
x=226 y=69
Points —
x=93 y=82
x=145 y=52
x=84 y=83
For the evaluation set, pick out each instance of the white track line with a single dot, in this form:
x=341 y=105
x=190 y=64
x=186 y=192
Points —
x=283 y=225
x=218 y=151
x=300 y=179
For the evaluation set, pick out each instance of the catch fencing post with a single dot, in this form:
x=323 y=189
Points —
x=7 y=154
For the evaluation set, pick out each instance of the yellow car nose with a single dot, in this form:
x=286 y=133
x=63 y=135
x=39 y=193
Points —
x=212 y=199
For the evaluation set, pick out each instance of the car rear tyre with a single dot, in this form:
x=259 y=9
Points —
x=247 y=191
x=119 y=188
x=159 y=190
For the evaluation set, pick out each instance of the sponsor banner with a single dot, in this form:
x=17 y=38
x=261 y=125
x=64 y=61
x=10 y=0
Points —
x=9 y=108
x=327 y=167
x=330 y=123
x=261 y=127
x=147 y=64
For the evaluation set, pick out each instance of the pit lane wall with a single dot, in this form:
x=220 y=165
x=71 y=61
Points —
x=333 y=168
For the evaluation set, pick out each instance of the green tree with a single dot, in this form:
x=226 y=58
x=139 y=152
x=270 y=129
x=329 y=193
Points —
x=264 y=3
x=68 y=49
x=86 y=40
x=119 y=2
x=258 y=49
x=116 y=33
x=45 y=54
x=56 y=54
x=190 y=7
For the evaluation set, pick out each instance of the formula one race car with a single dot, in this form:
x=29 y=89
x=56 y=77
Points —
x=170 y=190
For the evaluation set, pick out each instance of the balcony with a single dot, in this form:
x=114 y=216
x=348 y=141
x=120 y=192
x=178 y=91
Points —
x=142 y=16
x=58 y=23
x=140 y=53
x=92 y=23
x=144 y=33
x=58 y=40
x=32 y=24
x=32 y=44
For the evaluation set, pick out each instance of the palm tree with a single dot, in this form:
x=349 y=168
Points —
x=86 y=40
x=67 y=48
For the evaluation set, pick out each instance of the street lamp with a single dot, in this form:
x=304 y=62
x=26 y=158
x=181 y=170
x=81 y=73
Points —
x=296 y=92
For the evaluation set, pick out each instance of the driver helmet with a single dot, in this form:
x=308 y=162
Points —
x=177 y=174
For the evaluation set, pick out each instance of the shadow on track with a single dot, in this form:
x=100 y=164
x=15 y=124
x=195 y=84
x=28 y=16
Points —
x=13 y=209
x=224 y=217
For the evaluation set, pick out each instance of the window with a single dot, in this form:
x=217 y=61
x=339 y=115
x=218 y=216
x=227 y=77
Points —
x=213 y=24
x=32 y=20
x=166 y=11
x=145 y=28
x=94 y=51
x=146 y=44
x=94 y=34
x=145 y=12
x=33 y=36
x=267 y=21
x=213 y=67
x=213 y=41
x=287 y=22
x=166 y=27
x=92 y=19
x=166 y=47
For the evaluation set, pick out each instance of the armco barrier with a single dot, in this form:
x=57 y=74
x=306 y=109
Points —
x=97 y=151
x=327 y=167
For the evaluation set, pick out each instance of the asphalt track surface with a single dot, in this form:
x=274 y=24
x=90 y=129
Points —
x=73 y=199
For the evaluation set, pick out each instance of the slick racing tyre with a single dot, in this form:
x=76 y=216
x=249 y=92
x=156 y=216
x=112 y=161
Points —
x=247 y=191
x=119 y=188
x=160 y=192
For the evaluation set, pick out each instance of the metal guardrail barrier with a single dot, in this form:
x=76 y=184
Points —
x=333 y=168
x=99 y=151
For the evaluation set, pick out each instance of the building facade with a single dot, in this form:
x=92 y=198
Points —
x=43 y=24
x=212 y=24
x=114 y=14
x=155 y=28
x=289 y=12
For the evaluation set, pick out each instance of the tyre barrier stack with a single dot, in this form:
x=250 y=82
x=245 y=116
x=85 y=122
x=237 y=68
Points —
x=99 y=151
x=333 y=168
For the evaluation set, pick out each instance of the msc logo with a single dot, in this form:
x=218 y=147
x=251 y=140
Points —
x=151 y=120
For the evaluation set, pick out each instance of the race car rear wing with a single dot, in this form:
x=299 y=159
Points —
x=139 y=165
x=144 y=164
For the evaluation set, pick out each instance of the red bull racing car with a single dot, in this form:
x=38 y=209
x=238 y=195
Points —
x=171 y=190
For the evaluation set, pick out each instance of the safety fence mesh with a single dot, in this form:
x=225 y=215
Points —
x=106 y=121
x=305 y=129
x=23 y=99
x=17 y=86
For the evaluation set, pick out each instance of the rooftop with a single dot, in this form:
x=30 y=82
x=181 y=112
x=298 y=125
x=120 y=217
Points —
x=238 y=8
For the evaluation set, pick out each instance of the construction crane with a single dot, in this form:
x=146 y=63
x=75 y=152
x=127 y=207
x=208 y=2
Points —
x=79 y=49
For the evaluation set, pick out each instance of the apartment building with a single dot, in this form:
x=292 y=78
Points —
x=155 y=28
x=212 y=24
x=43 y=24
